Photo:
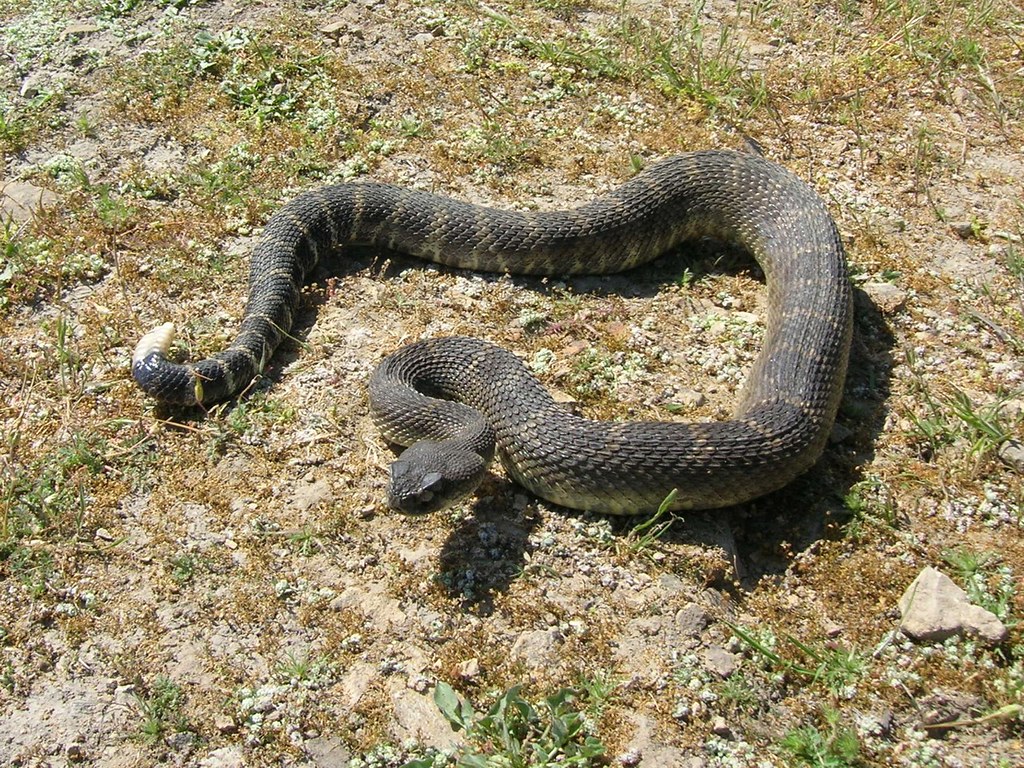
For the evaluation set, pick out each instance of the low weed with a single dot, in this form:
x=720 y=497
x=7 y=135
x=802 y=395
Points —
x=645 y=534
x=835 y=746
x=299 y=669
x=50 y=495
x=838 y=669
x=599 y=689
x=161 y=708
x=737 y=692
x=954 y=419
x=517 y=733
x=870 y=502
x=32 y=267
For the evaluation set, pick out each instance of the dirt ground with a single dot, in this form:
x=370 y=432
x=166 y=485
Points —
x=228 y=588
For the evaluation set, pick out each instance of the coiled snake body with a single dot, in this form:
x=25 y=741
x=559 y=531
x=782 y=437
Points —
x=781 y=422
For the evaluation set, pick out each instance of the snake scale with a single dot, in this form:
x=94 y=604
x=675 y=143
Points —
x=457 y=401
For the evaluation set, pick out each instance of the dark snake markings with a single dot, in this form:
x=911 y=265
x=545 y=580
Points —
x=785 y=411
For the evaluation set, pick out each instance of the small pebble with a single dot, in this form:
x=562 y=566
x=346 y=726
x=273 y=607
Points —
x=1011 y=453
x=720 y=728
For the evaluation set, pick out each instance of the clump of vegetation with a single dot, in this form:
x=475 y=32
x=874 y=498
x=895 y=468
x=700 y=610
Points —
x=834 y=746
x=518 y=733
x=161 y=707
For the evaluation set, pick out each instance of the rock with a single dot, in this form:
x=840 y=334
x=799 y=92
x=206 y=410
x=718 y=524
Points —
x=691 y=399
x=20 y=201
x=831 y=629
x=79 y=28
x=469 y=668
x=720 y=661
x=963 y=229
x=934 y=609
x=887 y=297
x=538 y=648
x=75 y=752
x=417 y=718
x=333 y=28
x=943 y=706
x=225 y=757
x=691 y=620
x=327 y=751
x=645 y=750
x=180 y=741
x=224 y=723
x=1011 y=453
x=1012 y=408
x=720 y=728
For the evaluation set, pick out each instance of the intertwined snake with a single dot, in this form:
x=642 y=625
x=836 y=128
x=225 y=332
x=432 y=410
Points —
x=781 y=422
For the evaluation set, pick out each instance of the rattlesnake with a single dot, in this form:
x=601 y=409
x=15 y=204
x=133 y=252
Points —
x=784 y=414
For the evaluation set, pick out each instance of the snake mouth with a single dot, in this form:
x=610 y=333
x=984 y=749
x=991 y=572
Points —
x=416 y=493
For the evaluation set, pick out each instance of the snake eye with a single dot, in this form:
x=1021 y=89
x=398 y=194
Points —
x=431 y=482
x=426 y=478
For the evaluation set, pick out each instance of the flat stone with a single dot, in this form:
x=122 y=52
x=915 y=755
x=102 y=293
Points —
x=645 y=750
x=80 y=28
x=720 y=661
x=417 y=718
x=333 y=28
x=21 y=201
x=935 y=609
x=327 y=751
x=887 y=297
x=691 y=620
x=537 y=648
x=1011 y=453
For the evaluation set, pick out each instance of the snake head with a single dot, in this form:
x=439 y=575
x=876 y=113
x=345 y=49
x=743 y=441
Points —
x=430 y=476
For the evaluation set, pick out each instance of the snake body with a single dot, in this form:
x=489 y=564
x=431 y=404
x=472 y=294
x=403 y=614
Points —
x=784 y=413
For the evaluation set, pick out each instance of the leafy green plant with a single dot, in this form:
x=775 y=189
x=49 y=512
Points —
x=515 y=733
x=184 y=568
x=298 y=668
x=836 y=747
x=954 y=417
x=837 y=668
x=161 y=710
x=870 y=501
x=646 y=533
